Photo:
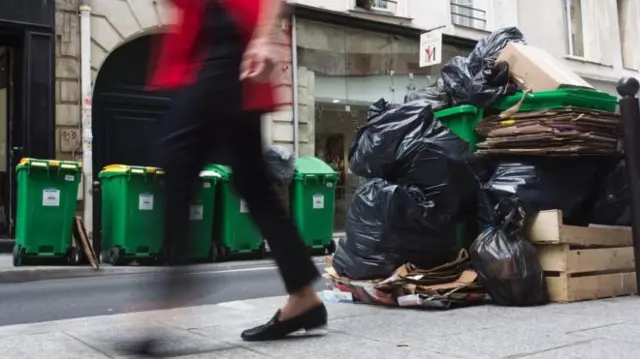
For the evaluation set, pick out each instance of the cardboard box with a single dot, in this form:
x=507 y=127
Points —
x=534 y=69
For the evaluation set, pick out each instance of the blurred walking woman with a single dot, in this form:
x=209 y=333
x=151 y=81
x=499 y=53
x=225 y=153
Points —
x=219 y=60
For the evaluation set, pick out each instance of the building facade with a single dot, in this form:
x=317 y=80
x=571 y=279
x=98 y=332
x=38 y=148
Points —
x=596 y=38
x=339 y=56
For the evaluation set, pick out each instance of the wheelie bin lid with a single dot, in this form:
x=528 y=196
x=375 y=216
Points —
x=35 y=162
x=210 y=174
x=223 y=172
x=120 y=170
x=311 y=166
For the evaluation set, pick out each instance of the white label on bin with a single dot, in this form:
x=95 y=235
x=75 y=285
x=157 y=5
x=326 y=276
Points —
x=330 y=184
x=51 y=197
x=69 y=178
x=145 y=202
x=206 y=185
x=243 y=206
x=318 y=201
x=196 y=212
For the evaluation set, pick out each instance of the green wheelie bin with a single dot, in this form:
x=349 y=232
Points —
x=132 y=214
x=313 y=202
x=47 y=198
x=235 y=231
x=201 y=212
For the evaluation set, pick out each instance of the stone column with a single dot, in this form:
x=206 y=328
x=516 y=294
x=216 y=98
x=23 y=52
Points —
x=67 y=90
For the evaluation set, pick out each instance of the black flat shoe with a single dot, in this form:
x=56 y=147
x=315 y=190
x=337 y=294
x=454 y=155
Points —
x=312 y=322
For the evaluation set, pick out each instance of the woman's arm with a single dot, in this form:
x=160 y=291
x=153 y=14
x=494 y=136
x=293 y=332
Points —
x=260 y=56
x=268 y=19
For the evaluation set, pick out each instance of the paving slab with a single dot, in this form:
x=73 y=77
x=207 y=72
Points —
x=50 y=345
x=580 y=330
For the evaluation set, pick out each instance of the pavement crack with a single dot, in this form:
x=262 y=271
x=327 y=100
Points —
x=87 y=344
x=592 y=328
x=524 y=355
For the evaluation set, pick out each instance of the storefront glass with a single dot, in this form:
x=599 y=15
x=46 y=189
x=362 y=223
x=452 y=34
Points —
x=341 y=72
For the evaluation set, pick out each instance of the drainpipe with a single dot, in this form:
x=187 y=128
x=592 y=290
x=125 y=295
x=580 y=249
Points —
x=294 y=84
x=87 y=136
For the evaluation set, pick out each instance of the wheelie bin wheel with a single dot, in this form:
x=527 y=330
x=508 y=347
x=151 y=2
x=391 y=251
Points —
x=115 y=256
x=223 y=253
x=262 y=253
x=73 y=256
x=17 y=256
x=213 y=254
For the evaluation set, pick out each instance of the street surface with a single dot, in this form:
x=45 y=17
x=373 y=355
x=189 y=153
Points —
x=57 y=299
x=601 y=329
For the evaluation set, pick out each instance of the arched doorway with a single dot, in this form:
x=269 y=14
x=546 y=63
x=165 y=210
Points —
x=125 y=116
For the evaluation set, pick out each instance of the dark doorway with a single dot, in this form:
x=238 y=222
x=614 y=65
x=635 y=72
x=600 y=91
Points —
x=6 y=180
x=27 y=79
x=125 y=116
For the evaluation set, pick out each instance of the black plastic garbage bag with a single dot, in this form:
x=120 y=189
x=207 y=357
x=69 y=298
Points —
x=457 y=80
x=405 y=142
x=434 y=95
x=373 y=151
x=478 y=79
x=614 y=200
x=280 y=164
x=507 y=264
x=491 y=84
x=568 y=184
x=481 y=89
x=389 y=225
x=490 y=46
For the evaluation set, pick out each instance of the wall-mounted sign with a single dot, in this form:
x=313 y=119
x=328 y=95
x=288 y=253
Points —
x=430 y=48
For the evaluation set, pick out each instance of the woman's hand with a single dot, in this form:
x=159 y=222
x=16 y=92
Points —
x=258 y=60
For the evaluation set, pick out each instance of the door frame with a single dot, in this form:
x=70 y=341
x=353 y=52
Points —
x=12 y=40
x=31 y=124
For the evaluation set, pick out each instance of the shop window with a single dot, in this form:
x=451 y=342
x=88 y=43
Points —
x=341 y=72
x=575 y=31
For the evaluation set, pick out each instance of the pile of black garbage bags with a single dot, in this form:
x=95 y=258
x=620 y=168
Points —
x=423 y=181
x=420 y=182
x=588 y=190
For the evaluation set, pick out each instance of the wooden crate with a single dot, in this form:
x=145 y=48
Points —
x=583 y=263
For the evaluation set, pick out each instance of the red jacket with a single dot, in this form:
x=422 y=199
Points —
x=175 y=66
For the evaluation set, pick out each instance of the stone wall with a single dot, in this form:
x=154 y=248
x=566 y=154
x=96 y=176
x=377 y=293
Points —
x=67 y=87
x=306 y=112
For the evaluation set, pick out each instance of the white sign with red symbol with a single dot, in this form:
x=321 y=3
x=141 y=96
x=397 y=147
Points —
x=430 y=48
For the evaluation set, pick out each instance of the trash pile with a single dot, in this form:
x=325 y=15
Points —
x=536 y=121
x=420 y=180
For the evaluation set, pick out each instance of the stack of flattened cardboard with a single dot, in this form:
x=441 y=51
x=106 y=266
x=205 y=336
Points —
x=563 y=132
x=452 y=284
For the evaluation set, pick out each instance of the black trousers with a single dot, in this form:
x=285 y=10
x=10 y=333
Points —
x=206 y=118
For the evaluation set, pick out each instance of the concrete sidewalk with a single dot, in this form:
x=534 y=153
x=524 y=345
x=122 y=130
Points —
x=605 y=329
x=11 y=274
